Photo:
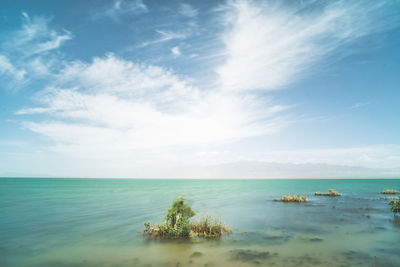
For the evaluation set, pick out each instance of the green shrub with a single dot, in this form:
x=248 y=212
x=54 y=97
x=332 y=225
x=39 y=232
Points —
x=179 y=213
x=177 y=224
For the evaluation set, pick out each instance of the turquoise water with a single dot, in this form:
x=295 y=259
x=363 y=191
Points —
x=95 y=222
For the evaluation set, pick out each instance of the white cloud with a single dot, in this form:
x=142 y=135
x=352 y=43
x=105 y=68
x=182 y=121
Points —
x=31 y=51
x=129 y=5
x=263 y=170
x=188 y=11
x=269 y=45
x=53 y=43
x=176 y=51
x=113 y=105
x=7 y=68
x=124 y=112
x=377 y=156
x=181 y=163
x=359 y=105
x=121 y=9
x=165 y=36
x=36 y=37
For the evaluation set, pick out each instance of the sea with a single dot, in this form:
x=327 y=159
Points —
x=99 y=222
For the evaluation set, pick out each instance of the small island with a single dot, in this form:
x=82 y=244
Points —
x=177 y=224
x=331 y=193
x=290 y=198
x=390 y=192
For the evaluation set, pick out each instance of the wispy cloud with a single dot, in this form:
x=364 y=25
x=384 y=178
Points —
x=29 y=53
x=188 y=10
x=6 y=68
x=121 y=9
x=52 y=44
x=35 y=37
x=165 y=36
x=359 y=105
x=268 y=46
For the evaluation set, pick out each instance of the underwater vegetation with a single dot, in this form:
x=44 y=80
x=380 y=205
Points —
x=390 y=192
x=196 y=254
x=177 y=224
x=290 y=198
x=316 y=239
x=331 y=193
x=248 y=255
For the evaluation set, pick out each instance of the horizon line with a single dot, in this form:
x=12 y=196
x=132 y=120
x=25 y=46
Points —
x=171 y=178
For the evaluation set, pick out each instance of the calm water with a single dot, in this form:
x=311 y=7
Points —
x=90 y=222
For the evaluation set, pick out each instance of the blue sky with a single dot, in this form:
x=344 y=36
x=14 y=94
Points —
x=200 y=89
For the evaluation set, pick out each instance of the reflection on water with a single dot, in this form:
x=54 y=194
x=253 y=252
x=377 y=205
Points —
x=86 y=222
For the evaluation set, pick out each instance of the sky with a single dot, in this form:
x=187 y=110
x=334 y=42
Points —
x=200 y=89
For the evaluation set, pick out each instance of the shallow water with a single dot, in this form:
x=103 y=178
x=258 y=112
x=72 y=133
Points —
x=95 y=222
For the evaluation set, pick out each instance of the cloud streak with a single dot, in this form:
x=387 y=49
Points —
x=36 y=37
x=359 y=105
x=269 y=46
x=7 y=68
x=121 y=9
x=29 y=54
x=188 y=11
x=165 y=36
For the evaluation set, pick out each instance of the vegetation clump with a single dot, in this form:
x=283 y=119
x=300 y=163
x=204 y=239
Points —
x=177 y=224
x=395 y=203
x=290 y=198
x=331 y=193
x=390 y=192
x=210 y=228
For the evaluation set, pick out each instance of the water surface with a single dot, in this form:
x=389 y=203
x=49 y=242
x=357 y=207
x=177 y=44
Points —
x=98 y=222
